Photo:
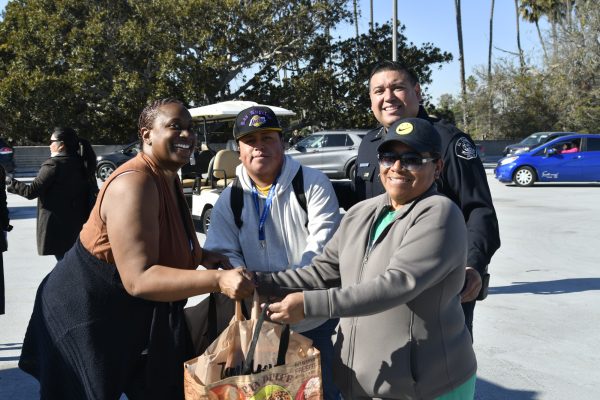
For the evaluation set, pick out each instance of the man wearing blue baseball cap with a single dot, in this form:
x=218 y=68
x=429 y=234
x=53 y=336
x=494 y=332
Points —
x=277 y=215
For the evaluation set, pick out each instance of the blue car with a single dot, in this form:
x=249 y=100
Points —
x=570 y=158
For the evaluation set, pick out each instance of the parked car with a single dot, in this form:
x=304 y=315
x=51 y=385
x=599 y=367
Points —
x=531 y=141
x=332 y=152
x=107 y=163
x=7 y=156
x=569 y=158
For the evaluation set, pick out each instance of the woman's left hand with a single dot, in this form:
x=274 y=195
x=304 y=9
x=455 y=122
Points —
x=214 y=260
x=290 y=310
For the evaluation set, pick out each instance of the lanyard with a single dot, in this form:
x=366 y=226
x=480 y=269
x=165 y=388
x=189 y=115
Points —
x=265 y=213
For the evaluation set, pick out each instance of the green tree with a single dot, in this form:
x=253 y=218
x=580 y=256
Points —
x=331 y=93
x=93 y=65
x=574 y=76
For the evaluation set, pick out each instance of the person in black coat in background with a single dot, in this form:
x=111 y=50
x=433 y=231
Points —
x=65 y=188
x=5 y=227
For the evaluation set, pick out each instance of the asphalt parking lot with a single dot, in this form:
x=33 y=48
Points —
x=536 y=336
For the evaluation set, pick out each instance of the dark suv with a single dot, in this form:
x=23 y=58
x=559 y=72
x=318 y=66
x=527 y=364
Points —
x=531 y=141
x=7 y=156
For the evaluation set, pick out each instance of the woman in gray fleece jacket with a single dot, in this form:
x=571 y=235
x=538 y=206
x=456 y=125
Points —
x=393 y=273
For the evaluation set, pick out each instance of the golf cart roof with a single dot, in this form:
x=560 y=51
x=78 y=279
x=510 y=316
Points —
x=228 y=110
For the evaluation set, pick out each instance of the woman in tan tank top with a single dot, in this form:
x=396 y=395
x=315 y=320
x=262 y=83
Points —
x=109 y=318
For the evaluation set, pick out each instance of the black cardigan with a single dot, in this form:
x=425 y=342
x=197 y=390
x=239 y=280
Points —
x=89 y=339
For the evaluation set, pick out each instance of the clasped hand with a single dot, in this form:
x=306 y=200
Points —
x=290 y=310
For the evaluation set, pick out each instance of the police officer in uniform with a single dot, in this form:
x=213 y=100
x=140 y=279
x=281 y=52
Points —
x=395 y=93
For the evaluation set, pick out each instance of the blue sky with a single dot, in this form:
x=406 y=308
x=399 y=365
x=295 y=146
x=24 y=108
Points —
x=434 y=21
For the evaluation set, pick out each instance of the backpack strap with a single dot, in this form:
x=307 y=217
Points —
x=236 y=201
x=298 y=185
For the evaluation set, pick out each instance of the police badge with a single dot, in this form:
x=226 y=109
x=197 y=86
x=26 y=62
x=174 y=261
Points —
x=465 y=149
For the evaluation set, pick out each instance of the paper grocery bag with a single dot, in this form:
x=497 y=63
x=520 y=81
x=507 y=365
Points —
x=258 y=360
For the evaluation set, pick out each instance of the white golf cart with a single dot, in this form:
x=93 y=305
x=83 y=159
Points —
x=221 y=168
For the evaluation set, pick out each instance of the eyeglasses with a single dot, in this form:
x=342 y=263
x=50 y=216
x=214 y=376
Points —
x=55 y=141
x=408 y=161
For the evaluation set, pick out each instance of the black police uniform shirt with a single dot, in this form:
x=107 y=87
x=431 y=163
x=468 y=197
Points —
x=463 y=180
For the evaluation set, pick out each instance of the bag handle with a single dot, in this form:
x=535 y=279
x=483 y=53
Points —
x=211 y=331
x=241 y=312
x=283 y=343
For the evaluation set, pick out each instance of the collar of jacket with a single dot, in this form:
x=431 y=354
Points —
x=384 y=203
x=286 y=174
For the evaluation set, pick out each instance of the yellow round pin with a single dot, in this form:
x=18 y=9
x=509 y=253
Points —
x=404 y=128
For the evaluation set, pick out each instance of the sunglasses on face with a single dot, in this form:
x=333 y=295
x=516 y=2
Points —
x=408 y=161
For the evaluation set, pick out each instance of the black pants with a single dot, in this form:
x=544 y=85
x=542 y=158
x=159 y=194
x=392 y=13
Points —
x=468 y=309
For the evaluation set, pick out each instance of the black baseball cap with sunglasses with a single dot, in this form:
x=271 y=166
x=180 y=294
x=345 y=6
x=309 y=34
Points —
x=416 y=133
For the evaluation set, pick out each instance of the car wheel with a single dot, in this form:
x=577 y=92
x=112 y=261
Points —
x=524 y=176
x=205 y=220
x=351 y=172
x=104 y=171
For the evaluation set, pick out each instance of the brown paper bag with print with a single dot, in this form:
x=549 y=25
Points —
x=225 y=371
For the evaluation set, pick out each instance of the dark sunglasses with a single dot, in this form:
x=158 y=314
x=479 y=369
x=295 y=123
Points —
x=408 y=161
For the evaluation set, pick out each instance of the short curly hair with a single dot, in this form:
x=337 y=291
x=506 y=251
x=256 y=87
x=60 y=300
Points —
x=149 y=113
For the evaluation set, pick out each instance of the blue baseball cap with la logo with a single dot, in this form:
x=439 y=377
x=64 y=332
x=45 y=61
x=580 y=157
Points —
x=255 y=119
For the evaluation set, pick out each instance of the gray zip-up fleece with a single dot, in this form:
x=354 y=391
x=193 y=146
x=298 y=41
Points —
x=402 y=334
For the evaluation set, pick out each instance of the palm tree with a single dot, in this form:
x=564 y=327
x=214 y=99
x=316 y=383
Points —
x=555 y=10
x=371 y=21
x=461 y=59
x=356 y=31
x=521 y=57
x=489 y=72
x=532 y=11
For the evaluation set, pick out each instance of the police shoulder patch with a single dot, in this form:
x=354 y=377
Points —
x=465 y=149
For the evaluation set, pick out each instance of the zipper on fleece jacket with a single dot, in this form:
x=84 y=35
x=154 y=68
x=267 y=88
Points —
x=352 y=338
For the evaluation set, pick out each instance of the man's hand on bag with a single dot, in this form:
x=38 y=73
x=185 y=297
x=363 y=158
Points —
x=290 y=310
x=235 y=284
x=472 y=285
x=214 y=260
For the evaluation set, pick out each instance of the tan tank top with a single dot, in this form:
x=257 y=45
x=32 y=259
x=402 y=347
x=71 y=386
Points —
x=178 y=244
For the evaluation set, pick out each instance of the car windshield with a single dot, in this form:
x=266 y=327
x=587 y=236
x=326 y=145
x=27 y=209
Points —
x=313 y=141
x=535 y=139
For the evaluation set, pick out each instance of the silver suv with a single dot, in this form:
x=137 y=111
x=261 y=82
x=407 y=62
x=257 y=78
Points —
x=332 y=152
